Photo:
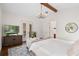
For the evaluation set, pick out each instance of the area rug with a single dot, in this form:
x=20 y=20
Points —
x=18 y=51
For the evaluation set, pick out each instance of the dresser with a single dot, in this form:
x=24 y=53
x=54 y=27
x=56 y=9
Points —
x=12 y=40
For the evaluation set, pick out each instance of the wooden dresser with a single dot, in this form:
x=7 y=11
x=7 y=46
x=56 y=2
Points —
x=12 y=40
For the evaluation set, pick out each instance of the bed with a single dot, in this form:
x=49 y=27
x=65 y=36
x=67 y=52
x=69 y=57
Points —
x=50 y=47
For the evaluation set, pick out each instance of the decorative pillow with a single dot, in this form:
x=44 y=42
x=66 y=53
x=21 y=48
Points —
x=74 y=49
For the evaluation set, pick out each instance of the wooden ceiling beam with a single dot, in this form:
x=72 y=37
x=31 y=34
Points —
x=49 y=6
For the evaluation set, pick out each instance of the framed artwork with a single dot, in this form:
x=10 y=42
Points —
x=71 y=27
x=10 y=29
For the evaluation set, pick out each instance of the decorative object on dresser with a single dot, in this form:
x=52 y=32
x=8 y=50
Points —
x=12 y=40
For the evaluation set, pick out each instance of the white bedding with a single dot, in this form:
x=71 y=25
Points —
x=50 y=47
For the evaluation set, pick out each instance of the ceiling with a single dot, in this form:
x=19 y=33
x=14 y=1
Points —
x=33 y=9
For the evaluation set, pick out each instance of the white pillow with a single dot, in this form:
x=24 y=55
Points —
x=74 y=49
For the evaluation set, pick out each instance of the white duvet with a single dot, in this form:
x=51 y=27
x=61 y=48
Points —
x=50 y=47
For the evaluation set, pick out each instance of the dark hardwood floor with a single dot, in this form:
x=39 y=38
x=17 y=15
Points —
x=4 y=50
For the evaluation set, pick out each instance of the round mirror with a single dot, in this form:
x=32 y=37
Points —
x=71 y=27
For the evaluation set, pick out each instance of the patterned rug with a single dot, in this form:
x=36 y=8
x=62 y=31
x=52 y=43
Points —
x=18 y=51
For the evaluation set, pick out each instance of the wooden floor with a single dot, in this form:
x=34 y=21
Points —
x=4 y=50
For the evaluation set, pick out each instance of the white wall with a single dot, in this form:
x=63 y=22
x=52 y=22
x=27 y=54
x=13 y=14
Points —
x=66 y=13
x=64 y=17
x=41 y=26
x=45 y=31
x=11 y=19
x=52 y=28
x=0 y=28
x=46 y=25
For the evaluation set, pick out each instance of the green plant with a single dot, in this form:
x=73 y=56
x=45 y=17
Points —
x=33 y=34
